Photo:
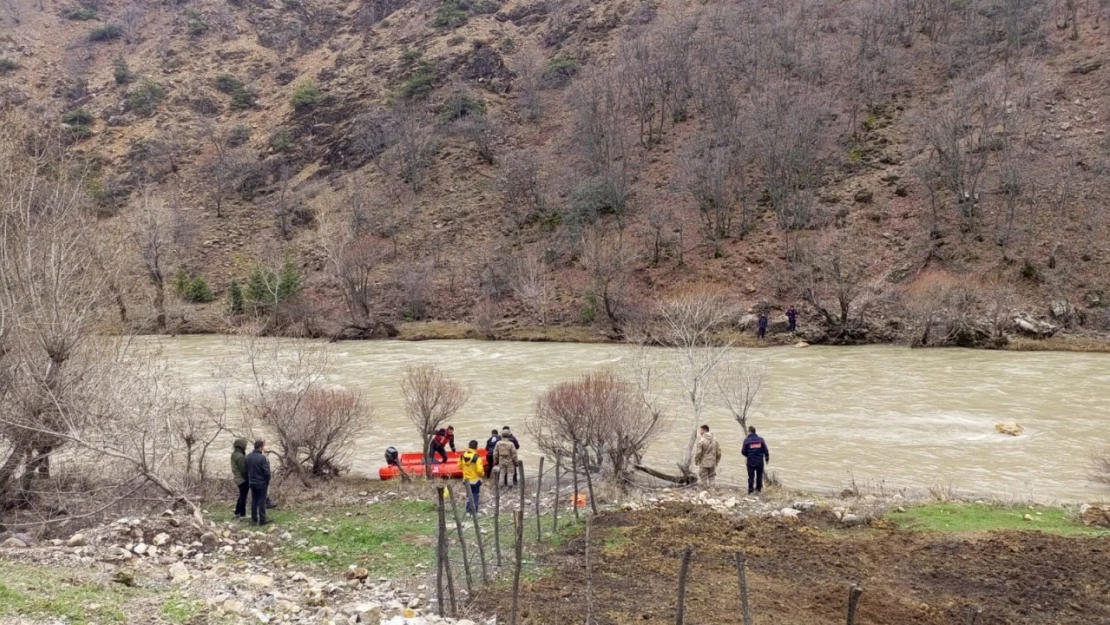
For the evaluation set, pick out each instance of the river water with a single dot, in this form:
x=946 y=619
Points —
x=879 y=416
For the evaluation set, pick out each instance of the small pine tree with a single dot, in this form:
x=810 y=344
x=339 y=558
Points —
x=181 y=281
x=121 y=71
x=258 y=294
x=235 y=303
x=198 y=291
x=289 y=280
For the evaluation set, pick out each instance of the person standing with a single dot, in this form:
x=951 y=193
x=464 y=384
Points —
x=505 y=457
x=707 y=457
x=451 y=437
x=792 y=319
x=439 y=445
x=258 y=475
x=470 y=462
x=491 y=443
x=755 y=450
x=239 y=474
x=762 y=332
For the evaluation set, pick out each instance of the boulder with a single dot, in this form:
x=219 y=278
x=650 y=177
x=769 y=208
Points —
x=1009 y=427
x=233 y=606
x=161 y=539
x=260 y=581
x=1030 y=326
x=179 y=573
x=358 y=573
x=801 y=344
x=127 y=578
x=140 y=549
x=790 y=512
x=1097 y=516
x=851 y=520
x=77 y=540
x=804 y=506
x=14 y=543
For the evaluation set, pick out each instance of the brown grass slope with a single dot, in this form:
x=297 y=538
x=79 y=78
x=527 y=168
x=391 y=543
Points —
x=938 y=165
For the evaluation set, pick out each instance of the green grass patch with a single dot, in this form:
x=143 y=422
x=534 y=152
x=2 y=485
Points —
x=67 y=594
x=974 y=517
x=177 y=609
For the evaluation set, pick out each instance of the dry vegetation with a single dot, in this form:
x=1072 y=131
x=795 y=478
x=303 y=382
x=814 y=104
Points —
x=916 y=170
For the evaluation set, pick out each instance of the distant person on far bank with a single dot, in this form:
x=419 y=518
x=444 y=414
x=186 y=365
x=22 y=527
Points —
x=792 y=319
x=755 y=450
x=762 y=332
x=491 y=444
x=239 y=473
x=258 y=474
x=707 y=456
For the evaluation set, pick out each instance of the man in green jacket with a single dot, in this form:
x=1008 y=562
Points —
x=239 y=473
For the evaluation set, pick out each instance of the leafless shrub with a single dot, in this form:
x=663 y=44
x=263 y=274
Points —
x=431 y=399
x=523 y=188
x=602 y=416
x=152 y=234
x=739 y=383
x=607 y=260
x=1100 y=467
x=532 y=284
x=714 y=176
x=416 y=147
x=528 y=67
x=836 y=282
x=414 y=279
x=131 y=19
x=482 y=131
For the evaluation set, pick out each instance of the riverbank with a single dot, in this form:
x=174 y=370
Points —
x=363 y=552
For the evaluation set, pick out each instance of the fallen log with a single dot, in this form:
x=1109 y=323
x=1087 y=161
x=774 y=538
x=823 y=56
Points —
x=684 y=480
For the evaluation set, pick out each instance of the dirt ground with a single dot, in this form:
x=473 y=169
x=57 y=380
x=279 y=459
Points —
x=799 y=573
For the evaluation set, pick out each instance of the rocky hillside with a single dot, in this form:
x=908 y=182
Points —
x=899 y=169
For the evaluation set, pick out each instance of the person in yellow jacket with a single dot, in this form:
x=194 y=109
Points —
x=473 y=471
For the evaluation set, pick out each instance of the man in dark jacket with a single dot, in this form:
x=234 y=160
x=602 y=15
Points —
x=239 y=474
x=451 y=437
x=491 y=442
x=258 y=475
x=438 y=446
x=755 y=450
x=792 y=319
x=762 y=332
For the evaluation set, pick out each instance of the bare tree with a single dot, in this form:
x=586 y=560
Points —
x=607 y=259
x=529 y=71
x=431 y=399
x=416 y=147
x=531 y=282
x=354 y=262
x=600 y=414
x=223 y=168
x=132 y=18
x=739 y=382
x=714 y=176
x=152 y=236
x=836 y=283
x=523 y=188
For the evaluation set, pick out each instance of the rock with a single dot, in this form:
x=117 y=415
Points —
x=369 y=613
x=261 y=616
x=233 y=606
x=864 y=196
x=167 y=513
x=739 y=522
x=299 y=577
x=161 y=539
x=1086 y=67
x=179 y=573
x=1030 y=326
x=789 y=512
x=1097 y=516
x=851 y=520
x=801 y=344
x=77 y=540
x=1009 y=427
x=415 y=602
x=900 y=510
x=14 y=543
x=127 y=578
x=140 y=549
x=465 y=622
x=1027 y=517
x=804 y=506
x=209 y=540
x=260 y=581
x=358 y=573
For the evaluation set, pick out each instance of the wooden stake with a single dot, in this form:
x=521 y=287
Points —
x=680 y=611
x=574 y=472
x=741 y=571
x=446 y=556
x=481 y=547
x=555 y=522
x=440 y=599
x=539 y=485
x=589 y=574
x=854 y=592
x=497 y=516
x=462 y=542
x=589 y=483
x=519 y=517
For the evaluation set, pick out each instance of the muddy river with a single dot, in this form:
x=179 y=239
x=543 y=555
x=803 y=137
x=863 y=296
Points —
x=879 y=417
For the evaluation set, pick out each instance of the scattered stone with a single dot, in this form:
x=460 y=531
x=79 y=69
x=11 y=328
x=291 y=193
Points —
x=900 y=510
x=77 y=540
x=358 y=573
x=864 y=196
x=851 y=520
x=1098 y=516
x=1009 y=427
x=161 y=539
x=127 y=578
x=179 y=573
x=804 y=506
x=789 y=512
x=299 y=577
x=14 y=543
x=260 y=581
x=140 y=549
x=1027 y=517
x=151 y=551
x=167 y=513
x=801 y=344
x=261 y=616
x=233 y=606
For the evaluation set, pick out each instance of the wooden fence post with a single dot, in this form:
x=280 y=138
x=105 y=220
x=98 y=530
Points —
x=555 y=522
x=854 y=593
x=519 y=563
x=497 y=515
x=574 y=472
x=481 y=547
x=680 y=611
x=741 y=571
x=462 y=543
x=443 y=549
x=589 y=482
x=440 y=599
x=539 y=485
x=589 y=574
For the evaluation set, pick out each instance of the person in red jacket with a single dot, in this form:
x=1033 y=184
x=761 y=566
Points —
x=451 y=437
x=439 y=446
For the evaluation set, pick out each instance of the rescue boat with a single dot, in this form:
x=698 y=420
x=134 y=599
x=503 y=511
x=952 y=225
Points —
x=413 y=464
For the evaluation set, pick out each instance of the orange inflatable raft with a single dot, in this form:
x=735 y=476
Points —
x=413 y=464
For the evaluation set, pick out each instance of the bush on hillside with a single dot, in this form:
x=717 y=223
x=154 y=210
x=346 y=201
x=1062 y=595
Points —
x=461 y=104
x=420 y=82
x=8 y=65
x=121 y=72
x=236 y=303
x=306 y=97
x=558 y=71
x=80 y=13
x=145 y=97
x=197 y=291
x=78 y=117
x=242 y=97
x=108 y=32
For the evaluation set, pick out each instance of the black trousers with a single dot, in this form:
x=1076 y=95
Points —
x=241 y=503
x=258 y=503
x=755 y=478
x=439 y=450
